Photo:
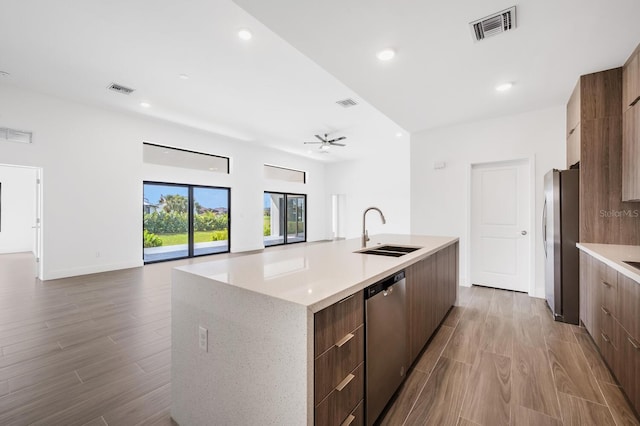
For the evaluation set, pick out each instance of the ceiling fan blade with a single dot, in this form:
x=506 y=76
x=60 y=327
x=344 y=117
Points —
x=337 y=144
x=320 y=138
x=338 y=139
x=313 y=142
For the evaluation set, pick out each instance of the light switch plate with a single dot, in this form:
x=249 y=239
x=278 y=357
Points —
x=203 y=339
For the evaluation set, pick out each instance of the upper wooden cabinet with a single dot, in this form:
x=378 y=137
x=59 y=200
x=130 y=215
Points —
x=631 y=81
x=602 y=212
x=631 y=128
x=631 y=154
x=573 y=110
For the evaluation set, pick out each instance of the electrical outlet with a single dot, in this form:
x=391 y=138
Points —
x=203 y=339
x=97 y=254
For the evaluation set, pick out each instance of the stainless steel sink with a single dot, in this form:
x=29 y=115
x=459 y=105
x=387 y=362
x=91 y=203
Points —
x=632 y=263
x=388 y=250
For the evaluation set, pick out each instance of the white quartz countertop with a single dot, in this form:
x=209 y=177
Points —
x=316 y=275
x=614 y=256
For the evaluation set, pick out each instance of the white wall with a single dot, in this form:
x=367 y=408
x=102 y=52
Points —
x=440 y=198
x=93 y=173
x=18 y=209
x=381 y=179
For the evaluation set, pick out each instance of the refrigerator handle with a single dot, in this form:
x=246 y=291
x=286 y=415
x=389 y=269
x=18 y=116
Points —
x=544 y=226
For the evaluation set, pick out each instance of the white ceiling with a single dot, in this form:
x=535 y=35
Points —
x=439 y=75
x=280 y=88
x=262 y=90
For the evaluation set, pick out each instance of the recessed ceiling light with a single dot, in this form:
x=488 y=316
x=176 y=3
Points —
x=504 y=87
x=145 y=104
x=309 y=151
x=399 y=135
x=213 y=168
x=183 y=77
x=4 y=74
x=245 y=34
x=386 y=54
x=165 y=152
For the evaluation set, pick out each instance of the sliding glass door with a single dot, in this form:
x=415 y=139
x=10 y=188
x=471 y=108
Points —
x=284 y=218
x=184 y=221
x=296 y=219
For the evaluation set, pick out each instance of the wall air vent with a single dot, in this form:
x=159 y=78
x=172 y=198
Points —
x=120 y=89
x=346 y=103
x=494 y=24
x=13 y=135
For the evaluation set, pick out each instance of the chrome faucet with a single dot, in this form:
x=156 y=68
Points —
x=365 y=233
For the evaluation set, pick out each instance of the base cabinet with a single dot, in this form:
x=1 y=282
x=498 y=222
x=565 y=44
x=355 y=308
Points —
x=339 y=364
x=610 y=308
x=432 y=285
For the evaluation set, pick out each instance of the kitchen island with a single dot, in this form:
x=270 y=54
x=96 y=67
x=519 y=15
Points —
x=245 y=330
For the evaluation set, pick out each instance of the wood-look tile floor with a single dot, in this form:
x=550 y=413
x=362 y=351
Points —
x=96 y=350
x=500 y=359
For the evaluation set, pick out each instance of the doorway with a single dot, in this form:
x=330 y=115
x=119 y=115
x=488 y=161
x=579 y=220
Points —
x=21 y=212
x=500 y=249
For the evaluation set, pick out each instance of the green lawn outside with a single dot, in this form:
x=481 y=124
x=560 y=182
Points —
x=175 y=239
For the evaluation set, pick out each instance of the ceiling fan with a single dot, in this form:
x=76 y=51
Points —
x=326 y=143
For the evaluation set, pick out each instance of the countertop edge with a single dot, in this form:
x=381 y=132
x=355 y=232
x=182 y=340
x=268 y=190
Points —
x=407 y=260
x=416 y=257
x=616 y=264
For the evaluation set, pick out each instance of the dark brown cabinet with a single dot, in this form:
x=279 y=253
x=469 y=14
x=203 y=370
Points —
x=339 y=365
x=432 y=285
x=631 y=128
x=573 y=127
x=595 y=138
x=610 y=311
x=631 y=154
x=339 y=360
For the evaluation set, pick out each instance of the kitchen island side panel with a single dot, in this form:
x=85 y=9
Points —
x=259 y=366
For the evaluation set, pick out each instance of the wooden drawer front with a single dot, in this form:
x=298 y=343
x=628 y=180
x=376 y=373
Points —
x=356 y=418
x=629 y=306
x=335 y=364
x=608 y=332
x=336 y=407
x=608 y=282
x=629 y=368
x=336 y=321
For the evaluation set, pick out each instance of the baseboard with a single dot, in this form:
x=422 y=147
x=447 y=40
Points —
x=86 y=270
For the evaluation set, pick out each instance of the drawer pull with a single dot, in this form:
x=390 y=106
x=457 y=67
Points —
x=605 y=337
x=634 y=344
x=345 y=382
x=344 y=340
x=348 y=420
x=606 y=284
x=571 y=131
x=605 y=310
x=635 y=101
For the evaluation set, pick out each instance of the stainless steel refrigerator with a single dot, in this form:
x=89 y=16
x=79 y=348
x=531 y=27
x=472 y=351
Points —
x=560 y=229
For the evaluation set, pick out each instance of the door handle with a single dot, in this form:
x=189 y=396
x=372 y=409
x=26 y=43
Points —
x=523 y=232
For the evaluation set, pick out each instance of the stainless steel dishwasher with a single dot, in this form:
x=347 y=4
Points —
x=386 y=342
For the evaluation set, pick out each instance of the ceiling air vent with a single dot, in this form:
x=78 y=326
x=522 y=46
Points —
x=15 y=135
x=120 y=89
x=346 y=103
x=494 y=24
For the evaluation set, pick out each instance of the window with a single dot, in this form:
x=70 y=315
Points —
x=281 y=173
x=285 y=217
x=174 y=157
x=184 y=221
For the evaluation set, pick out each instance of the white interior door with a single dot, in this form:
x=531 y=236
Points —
x=500 y=209
x=37 y=226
